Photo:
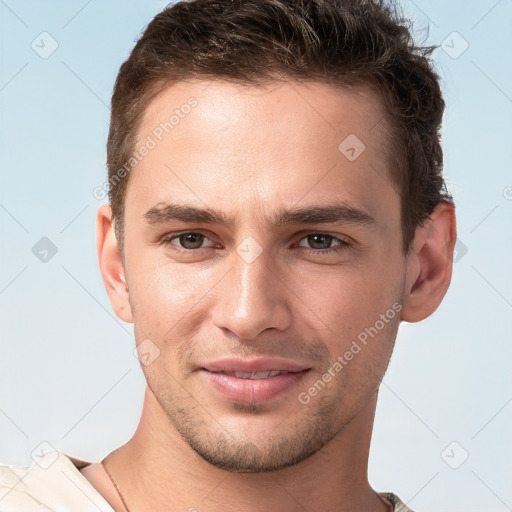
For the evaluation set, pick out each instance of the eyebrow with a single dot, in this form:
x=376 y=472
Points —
x=339 y=213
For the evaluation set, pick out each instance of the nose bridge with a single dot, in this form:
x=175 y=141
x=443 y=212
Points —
x=252 y=278
x=253 y=299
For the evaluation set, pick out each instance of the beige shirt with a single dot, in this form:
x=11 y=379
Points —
x=54 y=483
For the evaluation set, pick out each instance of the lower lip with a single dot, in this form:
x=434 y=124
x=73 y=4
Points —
x=252 y=390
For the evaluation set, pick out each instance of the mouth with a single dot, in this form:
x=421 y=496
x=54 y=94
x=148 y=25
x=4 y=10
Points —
x=254 y=375
x=254 y=366
x=255 y=381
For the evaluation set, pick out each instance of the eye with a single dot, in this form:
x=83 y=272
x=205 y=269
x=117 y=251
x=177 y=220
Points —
x=321 y=243
x=192 y=241
x=189 y=241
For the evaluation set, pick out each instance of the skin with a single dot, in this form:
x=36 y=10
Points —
x=250 y=152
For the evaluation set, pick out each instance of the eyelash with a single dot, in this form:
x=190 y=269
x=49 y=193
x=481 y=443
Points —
x=344 y=244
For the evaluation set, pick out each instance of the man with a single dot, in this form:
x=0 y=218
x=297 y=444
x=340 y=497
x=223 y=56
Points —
x=276 y=210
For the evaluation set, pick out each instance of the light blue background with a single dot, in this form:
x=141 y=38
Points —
x=67 y=372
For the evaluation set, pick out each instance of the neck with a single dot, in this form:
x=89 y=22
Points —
x=158 y=470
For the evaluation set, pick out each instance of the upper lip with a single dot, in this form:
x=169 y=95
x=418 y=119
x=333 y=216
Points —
x=261 y=364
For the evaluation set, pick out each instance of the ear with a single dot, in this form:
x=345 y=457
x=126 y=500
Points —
x=111 y=264
x=429 y=264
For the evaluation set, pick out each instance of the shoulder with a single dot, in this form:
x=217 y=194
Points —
x=399 y=506
x=52 y=482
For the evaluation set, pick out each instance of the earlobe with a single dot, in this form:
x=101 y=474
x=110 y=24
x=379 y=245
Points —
x=430 y=263
x=111 y=264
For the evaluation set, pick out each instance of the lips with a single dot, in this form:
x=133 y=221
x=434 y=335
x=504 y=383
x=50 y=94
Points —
x=254 y=375
x=252 y=381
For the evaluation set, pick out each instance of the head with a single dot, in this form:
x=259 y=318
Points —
x=307 y=133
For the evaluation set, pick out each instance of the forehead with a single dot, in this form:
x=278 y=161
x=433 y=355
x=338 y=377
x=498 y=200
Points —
x=219 y=143
x=195 y=107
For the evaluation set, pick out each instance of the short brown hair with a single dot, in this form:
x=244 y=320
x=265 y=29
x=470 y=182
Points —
x=339 y=42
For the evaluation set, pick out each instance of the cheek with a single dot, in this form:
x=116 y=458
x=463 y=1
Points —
x=362 y=314
x=168 y=300
x=166 y=309
x=360 y=346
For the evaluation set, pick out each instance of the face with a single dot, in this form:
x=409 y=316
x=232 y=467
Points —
x=262 y=235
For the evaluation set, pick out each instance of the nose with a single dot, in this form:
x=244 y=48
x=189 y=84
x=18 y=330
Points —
x=253 y=298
